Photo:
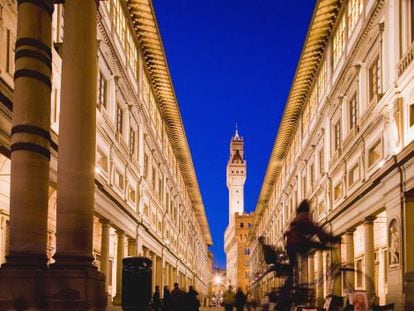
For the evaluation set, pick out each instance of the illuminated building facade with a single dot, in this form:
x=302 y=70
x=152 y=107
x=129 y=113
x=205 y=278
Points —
x=124 y=182
x=345 y=143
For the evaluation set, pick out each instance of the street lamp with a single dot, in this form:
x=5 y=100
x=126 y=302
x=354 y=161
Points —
x=218 y=279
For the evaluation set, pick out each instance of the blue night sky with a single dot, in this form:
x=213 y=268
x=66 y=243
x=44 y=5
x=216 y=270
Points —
x=231 y=61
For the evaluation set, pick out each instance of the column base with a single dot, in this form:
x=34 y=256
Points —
x=117 y=300
x=55 y=289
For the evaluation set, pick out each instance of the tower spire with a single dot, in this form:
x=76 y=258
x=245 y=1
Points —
x=236 y=135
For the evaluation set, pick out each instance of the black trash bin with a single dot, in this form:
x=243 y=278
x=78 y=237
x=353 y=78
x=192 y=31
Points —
x=136 y=283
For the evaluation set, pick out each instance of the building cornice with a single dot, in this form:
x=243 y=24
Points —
x=316 y=41
x=146 y=28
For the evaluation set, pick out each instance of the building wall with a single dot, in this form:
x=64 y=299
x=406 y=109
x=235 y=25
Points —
x=351 y=152
x=139 y=186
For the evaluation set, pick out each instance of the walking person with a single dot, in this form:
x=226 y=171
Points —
x=177 y=298
x=156 y=299
x=249 y=301
x=166 y=303
x=192 y=302
x=240 y=299
x=229 y=298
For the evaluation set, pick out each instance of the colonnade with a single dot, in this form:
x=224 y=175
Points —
x=72 y=279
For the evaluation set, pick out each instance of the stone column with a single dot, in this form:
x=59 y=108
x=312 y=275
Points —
x=132 y=247
x=119 y=256
x=105 y=250
x=320 y=277
x=369 y=255
x=30 y=136
x=160 y=282
x=311 y=270
x=349 y=259
x=21 y=278
x=154 y=271
x=77 y=135
x=303 y=269
x=337 y=279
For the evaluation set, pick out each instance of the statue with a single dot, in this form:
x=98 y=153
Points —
x=394 y=240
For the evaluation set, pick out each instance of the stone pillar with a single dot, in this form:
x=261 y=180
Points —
x=119 y=256
x=21 y=276
x=337 y=279
x=77 y=135
x=159 y=279
x=105 y=250
x=349 y=259
x=303 y=269
x=320 y=277
x=30 y=136
x=369 y=255
x=311 y=270
x=154 y=271
x=132 y=247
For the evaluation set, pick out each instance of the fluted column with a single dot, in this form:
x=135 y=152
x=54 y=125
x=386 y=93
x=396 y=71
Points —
x=349 y=259
x=132 y=247
x=77 y=135
x=154 y=271
x=320 y=277
x=119 y=257
x=105 y=250
x=30 y=140
x=160 y=282
x=369 y=255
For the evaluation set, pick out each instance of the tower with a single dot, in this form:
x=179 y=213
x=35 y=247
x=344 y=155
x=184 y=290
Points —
x=236 y=175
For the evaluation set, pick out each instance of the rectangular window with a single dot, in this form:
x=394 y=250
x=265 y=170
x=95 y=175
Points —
x=10 y=45
x=411 y=115
x=102 y=86
x=322 y=80
x=338 y=191
x=131 y=141
x=353 y=175
x=354 y=11
x=353 y=112
x=338 y=42
x=312 y=176
x=154 y=178
x=337 y=135
x=359 y=273
x=321 y=162
x=119 y=179
x=374 y=80
x=119 y=119
x=375 y=153
x=146 y=160
x=54 y=110
x=412 y=19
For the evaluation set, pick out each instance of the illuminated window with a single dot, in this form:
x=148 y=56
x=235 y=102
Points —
x=102 y=86
x=120 y=22
x=321 y=162
x=359 y=273
x=146 y=160
x=131 y=141
x=374 y=80
x=119 y=179
x=338 y=191
x=337 y=135
x=338 y=42
x=322 y=79
x=354 y=11
x=411 y=115
x=312 y=103
x=353 y=112
x=119 y=119
x=132 y=194
x=305 y=119
x=102 y=160
x=375 y=153
x=312 y=175
x=353 y=175
x=10 y=45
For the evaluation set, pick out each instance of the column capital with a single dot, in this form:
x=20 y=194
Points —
x=131 y=240
x=104 y=221
x=369 y=219
x=119 y=232
x=350 y=231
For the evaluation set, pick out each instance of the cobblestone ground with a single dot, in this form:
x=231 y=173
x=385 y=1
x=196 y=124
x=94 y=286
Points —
x=113 y=308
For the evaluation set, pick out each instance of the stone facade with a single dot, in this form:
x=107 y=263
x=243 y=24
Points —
x=143 y=204
x=349 y=126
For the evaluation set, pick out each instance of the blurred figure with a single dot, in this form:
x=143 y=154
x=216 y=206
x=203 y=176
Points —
x=249 y=301
x=166 y=303
x=192 y=302
x=177 y=298
x=240 y=299
x=229 y=298
x=156 y=299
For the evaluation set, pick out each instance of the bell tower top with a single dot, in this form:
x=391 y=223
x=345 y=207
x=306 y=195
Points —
x=236 y=175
